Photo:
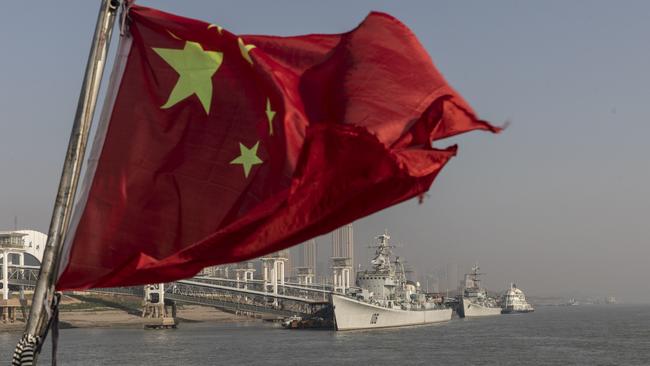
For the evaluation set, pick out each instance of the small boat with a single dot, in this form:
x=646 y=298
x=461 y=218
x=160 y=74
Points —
x=514 y=301
x=291 y=321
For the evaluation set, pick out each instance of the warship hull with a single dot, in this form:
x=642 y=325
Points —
x=468 y=309
x=352 y=314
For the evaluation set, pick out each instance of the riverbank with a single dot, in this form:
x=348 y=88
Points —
x=107 y=311
x=117 y=318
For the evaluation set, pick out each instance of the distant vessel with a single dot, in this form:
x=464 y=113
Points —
x=475 y=300
x=514 y=301
x=572 y=302
x=384 y=298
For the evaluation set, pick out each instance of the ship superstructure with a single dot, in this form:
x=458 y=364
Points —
x=475 y=300
x=383 y=297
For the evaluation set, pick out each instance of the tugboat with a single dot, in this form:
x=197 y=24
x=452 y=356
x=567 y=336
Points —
x=475 y=301
x=384 y=298
x=514 y=301
x=291 y=322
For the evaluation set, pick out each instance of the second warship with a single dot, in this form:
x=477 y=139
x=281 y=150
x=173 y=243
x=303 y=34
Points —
x=475 y=300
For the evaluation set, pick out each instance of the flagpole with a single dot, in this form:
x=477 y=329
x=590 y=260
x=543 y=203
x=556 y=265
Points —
x=38 y=315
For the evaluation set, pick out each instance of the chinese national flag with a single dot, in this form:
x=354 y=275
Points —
x=216 y=148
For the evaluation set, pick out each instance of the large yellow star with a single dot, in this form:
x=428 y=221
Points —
x=195 y=68
x=247 y=158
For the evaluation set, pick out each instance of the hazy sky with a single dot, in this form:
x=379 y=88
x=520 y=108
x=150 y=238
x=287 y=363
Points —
x=558 y=203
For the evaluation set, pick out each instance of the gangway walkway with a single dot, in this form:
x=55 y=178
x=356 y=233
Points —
x=21 y=275
x=199 y=291
x=292 y=290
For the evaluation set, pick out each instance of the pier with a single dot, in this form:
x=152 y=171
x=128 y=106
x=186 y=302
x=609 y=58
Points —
x=14 y=246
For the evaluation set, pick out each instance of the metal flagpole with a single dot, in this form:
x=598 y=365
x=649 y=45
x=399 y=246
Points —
x=27 y=349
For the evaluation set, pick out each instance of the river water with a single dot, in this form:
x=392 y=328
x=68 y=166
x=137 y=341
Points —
x=577 y=335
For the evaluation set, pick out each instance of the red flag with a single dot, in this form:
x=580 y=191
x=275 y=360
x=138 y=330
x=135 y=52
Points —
x=214 y=148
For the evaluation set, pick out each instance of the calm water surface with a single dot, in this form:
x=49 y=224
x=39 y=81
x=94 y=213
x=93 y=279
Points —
x=578 y=335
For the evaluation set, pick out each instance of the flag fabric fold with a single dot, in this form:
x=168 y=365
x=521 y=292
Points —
x=217 y=148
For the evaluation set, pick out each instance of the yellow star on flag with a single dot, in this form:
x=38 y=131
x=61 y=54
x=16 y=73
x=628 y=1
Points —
x=247 y=158
x=245 y=50
x=195 y=68
x=270 y=113
x=219 y=29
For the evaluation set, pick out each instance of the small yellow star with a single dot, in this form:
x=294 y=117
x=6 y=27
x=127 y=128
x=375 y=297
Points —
x=245 y=50
x=269 y=115
x=219 y=29
x=173 y=35
x=247 y=158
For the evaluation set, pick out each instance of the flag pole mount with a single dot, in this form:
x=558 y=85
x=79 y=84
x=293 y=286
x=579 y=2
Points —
x=44 y=295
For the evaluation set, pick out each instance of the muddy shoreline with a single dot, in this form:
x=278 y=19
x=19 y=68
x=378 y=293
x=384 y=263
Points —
x=98 y=311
